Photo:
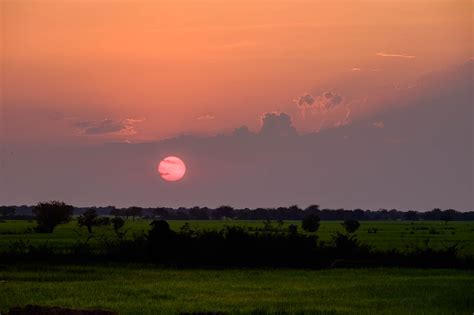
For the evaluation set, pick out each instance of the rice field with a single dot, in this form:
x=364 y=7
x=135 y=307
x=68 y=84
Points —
x=388 y=235
x=144 y=289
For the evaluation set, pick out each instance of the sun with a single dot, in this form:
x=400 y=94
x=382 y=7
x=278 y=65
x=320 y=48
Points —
x=171 y=168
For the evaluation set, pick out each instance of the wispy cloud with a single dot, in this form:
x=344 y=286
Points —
x=206 y=117
x=382 y=54
x=363 y=69
x=123 y=127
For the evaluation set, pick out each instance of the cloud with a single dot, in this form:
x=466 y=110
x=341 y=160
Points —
x=381 y=54
x=323 y=102
x=358 y=69
x=108 y=126
x=206 y=117
x=242 y=131
x=339 y=167
x=305 y=100
x=277 y=124
x=345 y=120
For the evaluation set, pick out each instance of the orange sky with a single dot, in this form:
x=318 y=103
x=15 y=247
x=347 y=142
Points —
x=209 y=66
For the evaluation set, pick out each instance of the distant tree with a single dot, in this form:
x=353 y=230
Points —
x=116 y=212
x=448 y=215
x=87 y=219
x=312 y=209
x=7 y=211
x=224 y=212
x=133 y=212
x=90 y=218
x=311 y=223
x=161 y=213
x=294 y=208
x=50 y=214
x=197 y=213
x=410 y=215
x=351 y=225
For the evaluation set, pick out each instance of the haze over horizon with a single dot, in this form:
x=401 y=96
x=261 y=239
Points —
x=336 y=103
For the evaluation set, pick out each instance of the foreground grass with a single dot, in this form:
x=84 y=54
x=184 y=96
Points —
x=390 y=234
x=139 y=289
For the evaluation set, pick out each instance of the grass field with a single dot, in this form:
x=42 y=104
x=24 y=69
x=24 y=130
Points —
x=148 y=289
x=138 y=289
x=390 y=234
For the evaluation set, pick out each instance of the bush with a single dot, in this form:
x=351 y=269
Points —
x=351 y=225
x=311 y=223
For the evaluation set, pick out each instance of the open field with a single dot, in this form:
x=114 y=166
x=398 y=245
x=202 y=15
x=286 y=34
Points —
x=143 y=289
x=390 y=234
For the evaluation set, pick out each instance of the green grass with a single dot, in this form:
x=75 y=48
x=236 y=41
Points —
x=139 y=289
x=147 y=289
x=390 y=234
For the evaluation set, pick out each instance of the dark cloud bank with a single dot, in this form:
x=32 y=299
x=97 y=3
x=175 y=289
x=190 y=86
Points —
x=422 y=158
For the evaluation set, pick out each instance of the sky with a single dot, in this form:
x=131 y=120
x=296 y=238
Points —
x=356 y=104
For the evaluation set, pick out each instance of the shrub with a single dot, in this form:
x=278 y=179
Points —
x=351 y=225
x=311 y=223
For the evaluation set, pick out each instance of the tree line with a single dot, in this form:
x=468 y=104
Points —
x=228 y=212
x=231 y=246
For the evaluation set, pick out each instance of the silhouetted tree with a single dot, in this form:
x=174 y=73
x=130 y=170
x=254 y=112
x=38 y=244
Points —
x=87 y=219
x=133 y=212
x=118 y=224
x=161 y=213
x=197 y=213
x=311 y=223
x=160 y=233
x=116 y=212
x=448 y=215
x=410 y=215
x=312 y=209
x=50 y=214
x=7 y=211
x=351 y=225
x=434 y=214
x=224 y=212
x=90 y=218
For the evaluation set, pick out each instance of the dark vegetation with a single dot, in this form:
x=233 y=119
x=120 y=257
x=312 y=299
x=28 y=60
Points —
x=50 y=214
x=49 y=310
x=273 y=245
x=90 y=218
x=280 y=213
x=351 y=226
